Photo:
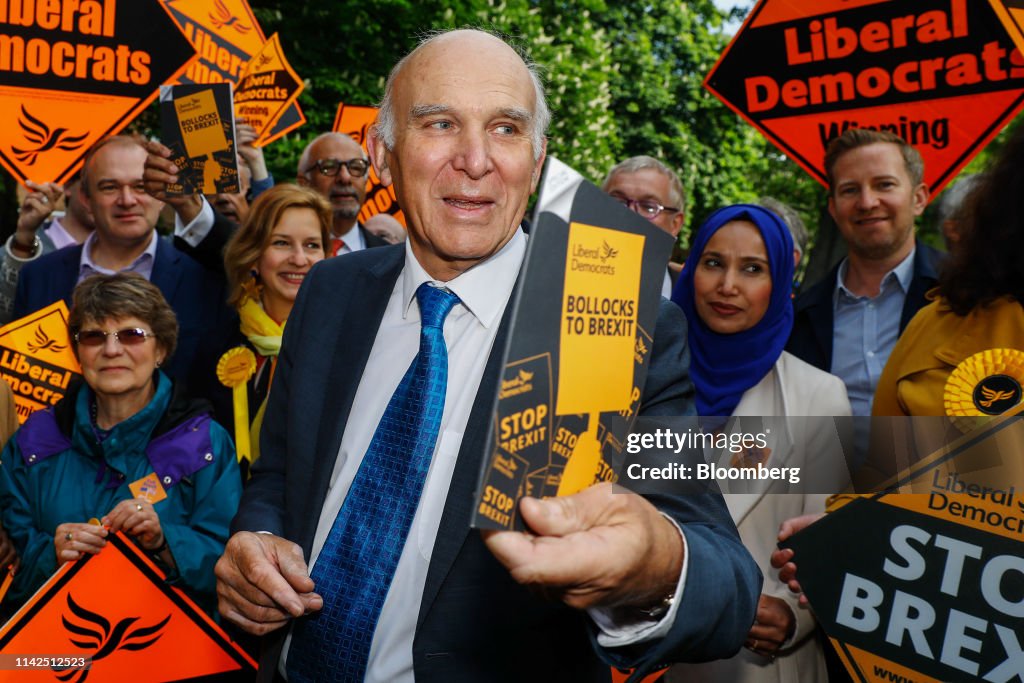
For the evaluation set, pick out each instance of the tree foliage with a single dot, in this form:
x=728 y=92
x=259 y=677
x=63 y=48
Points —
x=622 y=79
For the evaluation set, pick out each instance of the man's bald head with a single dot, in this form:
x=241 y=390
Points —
x=540 y=117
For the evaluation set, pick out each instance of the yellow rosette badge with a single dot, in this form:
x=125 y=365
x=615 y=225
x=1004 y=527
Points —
x=985 y=384
x=234 y=369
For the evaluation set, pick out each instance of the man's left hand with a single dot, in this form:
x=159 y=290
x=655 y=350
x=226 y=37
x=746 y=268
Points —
x=593 y=549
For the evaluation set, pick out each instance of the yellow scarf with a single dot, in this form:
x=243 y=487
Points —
x=265 y=336
x=258 y=327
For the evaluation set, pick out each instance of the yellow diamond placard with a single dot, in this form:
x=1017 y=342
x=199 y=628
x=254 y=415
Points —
x=36 y=358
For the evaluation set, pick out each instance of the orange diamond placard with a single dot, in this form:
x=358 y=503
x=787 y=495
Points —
x=1011 y=13
x=115 y=610
x=226 y=35
x=355 y=121
x=942 y=74
x=74 y=72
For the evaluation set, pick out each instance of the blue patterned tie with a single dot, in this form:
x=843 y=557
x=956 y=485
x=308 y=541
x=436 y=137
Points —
x=354 y=570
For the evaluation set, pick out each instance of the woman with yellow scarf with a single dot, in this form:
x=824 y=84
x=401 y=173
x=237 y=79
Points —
x=265 y=262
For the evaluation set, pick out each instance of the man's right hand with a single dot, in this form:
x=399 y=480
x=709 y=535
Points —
x=262 y=582
x=38 y=204
x=160 y=171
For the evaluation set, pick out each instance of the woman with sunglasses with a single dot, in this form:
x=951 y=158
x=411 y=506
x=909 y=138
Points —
x=265 y=261
x=735 y=291
x=122 y=451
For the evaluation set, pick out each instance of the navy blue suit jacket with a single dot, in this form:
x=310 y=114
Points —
x=197 y=297
x=811 y=338
x=475 y=623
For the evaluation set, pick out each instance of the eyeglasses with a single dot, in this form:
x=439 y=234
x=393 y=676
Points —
x=130 y=336
x=648 y=208
x=357 y=168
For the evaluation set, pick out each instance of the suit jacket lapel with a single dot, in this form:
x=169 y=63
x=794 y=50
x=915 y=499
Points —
x=346 y=321
x=166 y=272
x=822 y=318
x=458 y=508
x=66 y=277
x=925 y=277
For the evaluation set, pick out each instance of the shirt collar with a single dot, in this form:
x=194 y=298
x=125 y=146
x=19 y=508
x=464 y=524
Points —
x=87 y=264
x=59 y=235
x=903 y=273
x=484 y=291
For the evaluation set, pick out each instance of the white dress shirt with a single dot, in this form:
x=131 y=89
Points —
x=469 y=332
x=353 y=239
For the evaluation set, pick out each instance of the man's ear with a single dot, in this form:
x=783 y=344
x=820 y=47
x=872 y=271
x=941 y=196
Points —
x=920 y=199
x=677 y=223
x=379 y=156
x=538 y=166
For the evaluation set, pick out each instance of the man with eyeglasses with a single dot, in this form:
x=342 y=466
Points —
x=335 y=165
x=653 y=190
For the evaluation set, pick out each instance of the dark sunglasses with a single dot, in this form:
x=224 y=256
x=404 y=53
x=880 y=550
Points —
x=130 y=336
x=357 y=168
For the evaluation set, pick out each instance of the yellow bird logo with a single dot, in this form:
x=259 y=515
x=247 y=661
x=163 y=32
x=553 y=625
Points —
x=224 y=18
x=992 y=395
x=525 y=376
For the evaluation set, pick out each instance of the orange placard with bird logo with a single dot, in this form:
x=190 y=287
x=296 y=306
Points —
x=227 y=36
x=113 y=617
x=36 y=358
x=75 y=72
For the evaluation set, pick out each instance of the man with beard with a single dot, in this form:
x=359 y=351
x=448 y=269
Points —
x=335 y=165
x=848 y=323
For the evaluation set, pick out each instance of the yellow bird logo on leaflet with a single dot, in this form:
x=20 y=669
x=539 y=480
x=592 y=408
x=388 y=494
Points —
x=40 y=135
x=992 y=395
x=44 y=343
x=224 y=18
x=608 y=251
x=525 y=376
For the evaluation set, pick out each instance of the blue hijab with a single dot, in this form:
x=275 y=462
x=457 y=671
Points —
x=723 y=366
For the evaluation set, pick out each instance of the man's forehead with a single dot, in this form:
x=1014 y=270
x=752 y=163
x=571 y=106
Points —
x=652 y=181
x=338 y=145
x=118 y=160
x=869 y=159
x=466 y=64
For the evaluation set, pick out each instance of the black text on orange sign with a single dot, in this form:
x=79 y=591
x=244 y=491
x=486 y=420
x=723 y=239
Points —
x=212 y=53
x=63 y=58
x=87 y=17
x=829 y=40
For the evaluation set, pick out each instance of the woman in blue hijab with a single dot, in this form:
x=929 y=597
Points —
x=735 y=291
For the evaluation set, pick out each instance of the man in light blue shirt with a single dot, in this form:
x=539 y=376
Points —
x=848 y=323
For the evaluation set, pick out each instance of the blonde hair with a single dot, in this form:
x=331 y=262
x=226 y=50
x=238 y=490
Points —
x=246 y=246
